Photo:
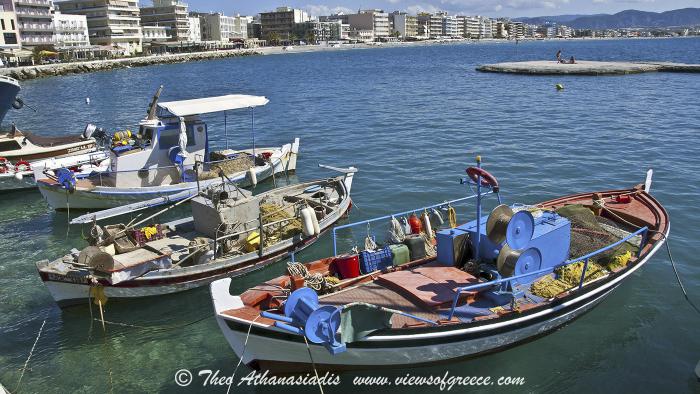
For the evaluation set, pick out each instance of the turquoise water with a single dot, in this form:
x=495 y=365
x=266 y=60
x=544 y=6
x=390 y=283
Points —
x=412 y=119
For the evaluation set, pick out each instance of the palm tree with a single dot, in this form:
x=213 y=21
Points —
x=310 y=37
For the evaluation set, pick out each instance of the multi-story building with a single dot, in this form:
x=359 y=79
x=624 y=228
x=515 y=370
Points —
x=8 y=26
x=70 y=31
x=375 y=20
x=516 y=30
x=171 y=14
x=315 y=31
x=194 y=29
x=153 y=34
x=486 y=27
x=35 y=22
x=281 y=22
x=449 y=25
x=113 y=23
x=501 y=29
x=406 y=25
x=468 y=26
x=436 y=25
x=222 y=28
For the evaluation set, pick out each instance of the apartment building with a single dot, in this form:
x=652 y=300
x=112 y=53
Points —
x=171 y=14
x=194 y=29
x=406 y=25
x=375 y=20
x=315 y=31
x=449 y=25
x=9 y=39
x=35 y=22
x=281 y=22
x=113 y=23
x=70 y=31
x=222 y=28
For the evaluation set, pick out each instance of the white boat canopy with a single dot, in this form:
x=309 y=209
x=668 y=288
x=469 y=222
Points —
x=213 y=104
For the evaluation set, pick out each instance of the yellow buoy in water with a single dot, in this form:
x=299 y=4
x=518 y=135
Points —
x=559 y=86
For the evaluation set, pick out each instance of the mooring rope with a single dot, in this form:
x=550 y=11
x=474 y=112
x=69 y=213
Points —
x=240 y=360
x=313 y=364
x=31 y=352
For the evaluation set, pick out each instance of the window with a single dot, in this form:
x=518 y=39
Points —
x=12 y=23
x=9 y=145
x=10 y=38
x=2 y=22
x=171 y=137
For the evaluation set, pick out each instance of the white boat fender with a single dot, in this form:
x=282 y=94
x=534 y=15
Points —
x=307 y=223
x=426 y=225
x=252 y=176
x=314 y=218
x=437 y=217
x=19 y=176
x=406 y=226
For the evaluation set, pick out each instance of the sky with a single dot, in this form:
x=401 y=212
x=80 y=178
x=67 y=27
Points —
x=506 y=8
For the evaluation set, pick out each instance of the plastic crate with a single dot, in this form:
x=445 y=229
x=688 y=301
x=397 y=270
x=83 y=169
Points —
x=375 y=260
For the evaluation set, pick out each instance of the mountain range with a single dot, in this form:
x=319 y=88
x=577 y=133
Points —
x=628 y=18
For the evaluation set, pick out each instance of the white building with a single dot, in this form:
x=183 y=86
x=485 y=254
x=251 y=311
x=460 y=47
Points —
x=9 y=39
x=222 y=28
x=153 y=34
x=171 y=14
x=486 y=27
x=70 y=31
x=194 y=32
x=406 y=25
x=449 y=26
x=35 y=22
x=112 y=23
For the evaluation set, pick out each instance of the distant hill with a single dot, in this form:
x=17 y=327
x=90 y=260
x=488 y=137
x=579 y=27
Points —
x=628 y=18
x=541 y=20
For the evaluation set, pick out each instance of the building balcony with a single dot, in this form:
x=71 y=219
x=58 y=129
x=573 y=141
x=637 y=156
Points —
x=35 y=26
x=70 y=28
x=33 y=2
x=37 y=40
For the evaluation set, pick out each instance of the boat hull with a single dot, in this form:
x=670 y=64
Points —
x=103 y=197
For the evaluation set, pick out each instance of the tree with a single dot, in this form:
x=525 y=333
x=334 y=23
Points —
x=272 y=38
x=310 y=37
x=292 y=38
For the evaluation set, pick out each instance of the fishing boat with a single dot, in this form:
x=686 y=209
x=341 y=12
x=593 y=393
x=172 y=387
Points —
x=24 y=147
x=170 y=154
x=222 y=238
x=22 y=175
x=499 y=280
x=9 y=88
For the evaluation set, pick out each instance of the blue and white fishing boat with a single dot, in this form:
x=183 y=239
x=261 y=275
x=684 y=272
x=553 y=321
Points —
x=9 y=88
x=170 y=157
x=443 y=294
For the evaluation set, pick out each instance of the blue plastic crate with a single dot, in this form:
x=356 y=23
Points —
x=377 y=260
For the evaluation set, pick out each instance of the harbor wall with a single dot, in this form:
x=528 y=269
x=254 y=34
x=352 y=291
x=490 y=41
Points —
x=48 y=70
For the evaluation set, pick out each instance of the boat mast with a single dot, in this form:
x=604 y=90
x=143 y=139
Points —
x=152 y=107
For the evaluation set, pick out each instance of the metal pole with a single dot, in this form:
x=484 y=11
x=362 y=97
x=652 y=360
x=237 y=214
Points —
x=226 y=130
x=335 y=246
x=583 y=274
x=478 y=210
x=252 y=128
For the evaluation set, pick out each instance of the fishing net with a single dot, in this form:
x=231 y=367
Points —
x=272 y=212
x=590 y=233
x=232 y=166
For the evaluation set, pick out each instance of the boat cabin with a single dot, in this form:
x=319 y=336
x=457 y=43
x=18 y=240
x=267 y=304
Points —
x=166 y=146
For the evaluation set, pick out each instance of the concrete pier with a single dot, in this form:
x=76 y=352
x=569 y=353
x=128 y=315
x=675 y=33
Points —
x=585 y=67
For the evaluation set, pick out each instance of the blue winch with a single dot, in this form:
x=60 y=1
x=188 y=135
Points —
x=304 y=316
x=66 y=178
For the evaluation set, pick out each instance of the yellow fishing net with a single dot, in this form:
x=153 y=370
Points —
x=229 y=167
x=272 y=212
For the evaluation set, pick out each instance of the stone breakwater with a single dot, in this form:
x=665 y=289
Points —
x=544 y=67
x=49 y=70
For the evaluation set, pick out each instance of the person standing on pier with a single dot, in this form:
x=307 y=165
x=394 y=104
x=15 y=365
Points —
x=559 y=56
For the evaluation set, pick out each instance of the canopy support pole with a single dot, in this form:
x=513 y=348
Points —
x=252 y=129
x=226 y=130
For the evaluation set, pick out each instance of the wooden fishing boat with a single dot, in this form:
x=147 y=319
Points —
x=18 y=146
x=170 y=154
x=222 y=238
x=478 y=294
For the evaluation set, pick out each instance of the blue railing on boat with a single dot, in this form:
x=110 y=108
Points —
x=642 y=231
x=335 y=229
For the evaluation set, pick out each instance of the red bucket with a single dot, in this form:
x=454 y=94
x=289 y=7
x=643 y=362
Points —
x=347 y=266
